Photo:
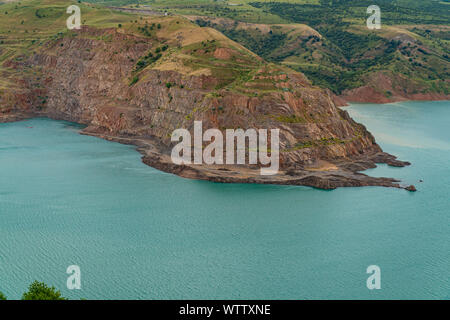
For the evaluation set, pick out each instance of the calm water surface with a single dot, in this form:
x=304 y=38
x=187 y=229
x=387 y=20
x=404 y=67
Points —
x=138 y=233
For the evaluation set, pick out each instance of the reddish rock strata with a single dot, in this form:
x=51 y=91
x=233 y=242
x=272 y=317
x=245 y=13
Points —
x=86 y=80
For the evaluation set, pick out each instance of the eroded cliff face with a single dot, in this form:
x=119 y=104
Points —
x=90 y=77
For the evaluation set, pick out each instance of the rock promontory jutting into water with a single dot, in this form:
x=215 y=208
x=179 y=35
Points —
x=137 y=83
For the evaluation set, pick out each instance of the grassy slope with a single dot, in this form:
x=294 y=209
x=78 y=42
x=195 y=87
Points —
x=343 y=52
x=349 y=51
x=180 y=45
x=26 y=25
x=338 y=52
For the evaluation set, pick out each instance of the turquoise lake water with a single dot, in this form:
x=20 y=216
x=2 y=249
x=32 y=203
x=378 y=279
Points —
x=137 y=233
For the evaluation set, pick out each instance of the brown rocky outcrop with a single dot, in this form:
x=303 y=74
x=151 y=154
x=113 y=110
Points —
x=87 y=80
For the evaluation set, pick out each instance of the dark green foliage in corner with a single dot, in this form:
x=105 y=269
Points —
x=40 y=291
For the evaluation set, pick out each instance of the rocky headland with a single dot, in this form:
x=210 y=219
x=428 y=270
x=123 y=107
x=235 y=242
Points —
x=137 y=84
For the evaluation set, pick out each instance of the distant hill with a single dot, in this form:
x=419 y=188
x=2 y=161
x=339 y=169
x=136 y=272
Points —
x=329 y=42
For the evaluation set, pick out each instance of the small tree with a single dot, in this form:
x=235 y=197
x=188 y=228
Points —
x=2 y=296
x=40 y=291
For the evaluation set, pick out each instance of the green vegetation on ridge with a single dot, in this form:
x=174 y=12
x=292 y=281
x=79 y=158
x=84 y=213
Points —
x=413 y=43
x=327 y=40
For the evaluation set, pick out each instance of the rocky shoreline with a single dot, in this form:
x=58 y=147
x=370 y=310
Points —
x=344 y=173
x=345 y=100
x=381 y=89
x=321 y=146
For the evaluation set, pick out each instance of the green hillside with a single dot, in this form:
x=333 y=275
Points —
x=413 y=41
x=340 y=52
x=325 y=39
